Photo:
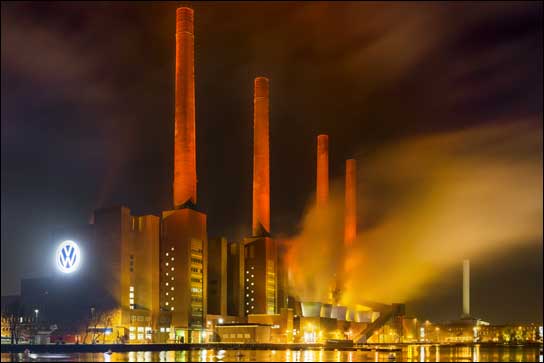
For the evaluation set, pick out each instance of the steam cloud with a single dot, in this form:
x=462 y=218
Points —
x=424 y=205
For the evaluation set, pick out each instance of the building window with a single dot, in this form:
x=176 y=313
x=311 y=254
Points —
x=131 y=336
x=140 y=337
x=172 y=308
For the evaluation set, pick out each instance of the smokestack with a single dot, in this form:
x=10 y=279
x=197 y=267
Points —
x=350 y=217
x=184 y=132
x=466 y=288
x=261 y=162
x=322 y=192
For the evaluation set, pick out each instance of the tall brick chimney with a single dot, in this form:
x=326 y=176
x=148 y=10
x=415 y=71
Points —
x=261 y=158
x=184 y=132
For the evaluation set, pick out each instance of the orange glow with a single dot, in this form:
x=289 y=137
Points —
x=350 y=217
x=261 y=159
x=184 y=132
x=322 y=192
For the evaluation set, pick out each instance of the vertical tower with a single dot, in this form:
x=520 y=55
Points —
x=261 y=162
x=183 y=233
x=322 y=192
x=350 y=217
x=466 y=288
x=184 y=131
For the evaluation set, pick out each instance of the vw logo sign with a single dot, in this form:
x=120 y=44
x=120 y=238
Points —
x=68 y=257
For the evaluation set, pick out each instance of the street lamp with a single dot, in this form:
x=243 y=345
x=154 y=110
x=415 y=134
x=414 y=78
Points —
x=36 y=311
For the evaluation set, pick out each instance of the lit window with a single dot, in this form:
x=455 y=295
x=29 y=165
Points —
x=172 y=248
x=140 y=337
x=172 y=278
x=167 y=303
x=247 y=303
x=131 y=328
x=252 y=299
x=252 y=307
x=252 y=284
x=247 y=311
x=131 y=295
x=247 y=272
x=140 y=329
x=247 y=295
x=172 y=258
x=132 y=288
x=168 y=329
x=252 y=275
x=131 y=301
x=172 y=288
x=167 y=284
x=167 y=274
x=252 y=267
x=172 y=269
x=167 y=264
x=162 y=330
x=247 y=280
x=172 y=308
x=131 y=307
x=172 y=298
x=166 y=253
x=252 y=291
x=167 y=293
x=132 y=336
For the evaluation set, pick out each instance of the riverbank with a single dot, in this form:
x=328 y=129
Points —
x=101 y=348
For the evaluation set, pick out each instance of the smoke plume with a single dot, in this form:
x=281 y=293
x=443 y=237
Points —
x=424 y=205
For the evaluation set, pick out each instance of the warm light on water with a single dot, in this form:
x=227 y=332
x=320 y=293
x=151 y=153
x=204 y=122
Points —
x=409 y=354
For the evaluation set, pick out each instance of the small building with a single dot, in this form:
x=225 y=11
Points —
x=245 y=333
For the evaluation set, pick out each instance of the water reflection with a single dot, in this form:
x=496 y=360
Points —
x=415 y=353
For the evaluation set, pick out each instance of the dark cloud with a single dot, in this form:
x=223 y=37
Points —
x=87 y=101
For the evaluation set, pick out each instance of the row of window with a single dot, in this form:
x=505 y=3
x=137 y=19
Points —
x=131 y=297
x=232 y=336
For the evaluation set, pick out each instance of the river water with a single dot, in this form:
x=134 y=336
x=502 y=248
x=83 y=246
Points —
x=415 y=353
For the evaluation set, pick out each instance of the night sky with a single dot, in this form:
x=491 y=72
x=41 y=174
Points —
x=87 y=113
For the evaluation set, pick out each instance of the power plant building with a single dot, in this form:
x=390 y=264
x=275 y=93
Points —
x=160 y=277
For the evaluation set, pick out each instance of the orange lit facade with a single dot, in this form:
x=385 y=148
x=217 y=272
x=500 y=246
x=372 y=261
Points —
x=261 y=158
x=185 y=130
x=183 y=270
x=322 y=191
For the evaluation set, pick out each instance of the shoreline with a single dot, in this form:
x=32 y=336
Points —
x=101 y=348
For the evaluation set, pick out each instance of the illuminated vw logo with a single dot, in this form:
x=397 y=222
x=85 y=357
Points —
x=68 y=257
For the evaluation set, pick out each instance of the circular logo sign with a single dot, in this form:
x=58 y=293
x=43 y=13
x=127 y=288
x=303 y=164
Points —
x=68 y=257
